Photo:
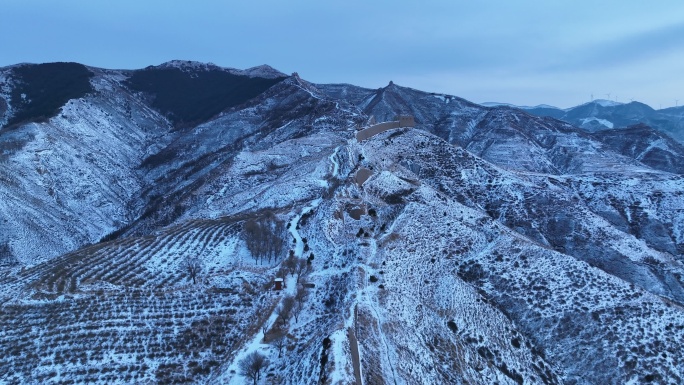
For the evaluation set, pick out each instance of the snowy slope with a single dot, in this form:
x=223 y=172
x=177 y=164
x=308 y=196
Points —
x=491 y=246
x=95 y=167
x=71 y=180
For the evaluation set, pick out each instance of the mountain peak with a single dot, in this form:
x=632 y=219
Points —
x=605 y=103
x=263 y=71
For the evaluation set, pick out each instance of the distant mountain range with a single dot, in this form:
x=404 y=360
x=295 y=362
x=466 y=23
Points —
x=601 y=114
x=146 y=216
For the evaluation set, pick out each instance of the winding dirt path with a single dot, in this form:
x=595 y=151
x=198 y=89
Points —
x=356 y=362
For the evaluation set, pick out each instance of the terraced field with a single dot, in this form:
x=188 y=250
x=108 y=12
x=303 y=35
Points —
x=125 y=311
x=139 y=262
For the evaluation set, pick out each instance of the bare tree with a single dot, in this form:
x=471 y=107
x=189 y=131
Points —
x=193 y=267
x=285 y=310
x=252 y=365
x=276 y=241
x=290 y=263
x=255 y=238
x=301 y=294
x=299 y=300
x=302 y=267
x=279 y=340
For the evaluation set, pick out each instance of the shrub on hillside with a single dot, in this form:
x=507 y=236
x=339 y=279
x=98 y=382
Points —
x=189 y=98
x=40 y=90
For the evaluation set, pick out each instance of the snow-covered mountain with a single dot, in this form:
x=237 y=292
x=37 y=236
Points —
x=71 y=179
x=486 y=245
x=601 y=114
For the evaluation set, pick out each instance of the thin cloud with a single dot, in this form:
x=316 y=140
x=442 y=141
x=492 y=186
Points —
x=623 y=51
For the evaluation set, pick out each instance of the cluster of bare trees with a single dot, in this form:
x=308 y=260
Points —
x=296 y=266
x=292 y=306
x=265 y=237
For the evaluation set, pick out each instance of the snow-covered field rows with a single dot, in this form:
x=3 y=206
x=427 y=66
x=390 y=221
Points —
x=127 y=336
x=142 y=262
x=126 y=311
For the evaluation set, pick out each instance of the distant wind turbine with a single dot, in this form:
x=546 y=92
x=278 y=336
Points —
x=592 y=96
x=676 y=102
x=608 y=95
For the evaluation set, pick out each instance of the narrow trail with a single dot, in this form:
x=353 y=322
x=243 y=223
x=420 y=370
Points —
x=299 y=243
x=370 y=301
x=356 y=360
x=366 y=295
x=230 y=374
x=333 y=160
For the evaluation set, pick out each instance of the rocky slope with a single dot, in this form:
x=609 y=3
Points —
x=646 y=145
x=492 y=246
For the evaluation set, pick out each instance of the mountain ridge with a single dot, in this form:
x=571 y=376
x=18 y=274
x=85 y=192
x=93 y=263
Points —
x=483 y=245
x=601 y=114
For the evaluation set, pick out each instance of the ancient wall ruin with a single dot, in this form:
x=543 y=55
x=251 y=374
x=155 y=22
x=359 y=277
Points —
x=400 y=121
x=376 y=129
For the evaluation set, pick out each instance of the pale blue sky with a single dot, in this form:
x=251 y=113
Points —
x=523 y=52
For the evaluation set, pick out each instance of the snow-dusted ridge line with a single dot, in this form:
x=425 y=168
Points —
x=604 y=103
x=263 y=71
x=497 y=104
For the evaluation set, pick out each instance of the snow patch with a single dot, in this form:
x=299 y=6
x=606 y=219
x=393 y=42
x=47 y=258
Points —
x=602 y=122
x=607 y=103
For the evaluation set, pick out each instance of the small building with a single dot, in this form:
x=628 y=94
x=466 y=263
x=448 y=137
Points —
x=278 y=284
